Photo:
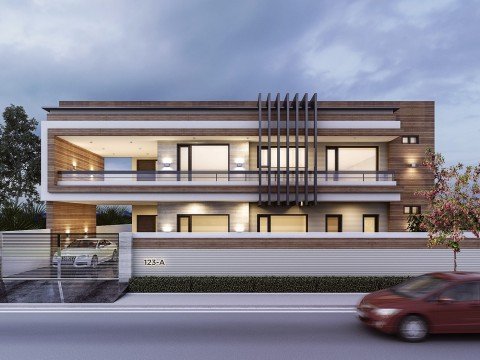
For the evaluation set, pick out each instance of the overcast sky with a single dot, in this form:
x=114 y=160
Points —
x=206 y=50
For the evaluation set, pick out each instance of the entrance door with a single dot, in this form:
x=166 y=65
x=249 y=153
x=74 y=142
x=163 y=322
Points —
x=149 y=166
x=146 y=223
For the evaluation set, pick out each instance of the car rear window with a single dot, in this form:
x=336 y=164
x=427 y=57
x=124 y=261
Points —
x=420 y=286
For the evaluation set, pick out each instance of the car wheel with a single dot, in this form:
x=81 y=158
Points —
x=115 y=255
x=413 y=328
x=94 y=262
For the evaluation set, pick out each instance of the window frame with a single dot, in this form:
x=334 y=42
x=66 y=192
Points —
x=269 y=223
x=377 y=221
x=410 y=209
x=340 y=222
x=189 y=146
x=290 y=166
x=377 y=154
x=189 y=217
x=409 y=139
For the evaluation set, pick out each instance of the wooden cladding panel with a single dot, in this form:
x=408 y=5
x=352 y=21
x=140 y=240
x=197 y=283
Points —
x=279 y=243
x=62 y=155
x=76 y=218
x=416 y=119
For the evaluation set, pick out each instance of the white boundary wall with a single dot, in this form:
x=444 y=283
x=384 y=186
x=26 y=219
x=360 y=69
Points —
x=25 y=251
x=313 y=262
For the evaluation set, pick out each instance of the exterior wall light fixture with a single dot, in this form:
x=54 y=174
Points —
x=413 y=165
x=167 y=163
x=239 y=228
x=240 y=162
x=167 y=228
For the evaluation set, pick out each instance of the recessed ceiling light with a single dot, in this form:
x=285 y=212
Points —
x=131 y=142
x=91 y=142
x=103 y=148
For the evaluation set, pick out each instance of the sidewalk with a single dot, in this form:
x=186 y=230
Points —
x=206 y=302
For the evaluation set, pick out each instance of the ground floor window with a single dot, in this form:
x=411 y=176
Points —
x=370 y=223
x=203 y=223
x=282 y=223
x=333 y=223
x=146 y=223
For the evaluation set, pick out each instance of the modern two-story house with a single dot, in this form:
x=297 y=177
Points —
x=276 y=164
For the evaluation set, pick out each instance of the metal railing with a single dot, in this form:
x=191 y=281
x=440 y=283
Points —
x=220 y=176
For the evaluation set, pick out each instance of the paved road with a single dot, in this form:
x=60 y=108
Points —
x=213 y=336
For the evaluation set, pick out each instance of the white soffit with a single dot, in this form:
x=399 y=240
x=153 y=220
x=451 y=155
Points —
x=146 y=146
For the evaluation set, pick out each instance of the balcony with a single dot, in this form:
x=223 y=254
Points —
x=226 y=178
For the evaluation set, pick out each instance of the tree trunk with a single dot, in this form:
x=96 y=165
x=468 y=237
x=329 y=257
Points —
x=454 y=260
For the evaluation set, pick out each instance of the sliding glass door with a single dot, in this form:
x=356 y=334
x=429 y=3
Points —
x=212 y=161
x=352 y=159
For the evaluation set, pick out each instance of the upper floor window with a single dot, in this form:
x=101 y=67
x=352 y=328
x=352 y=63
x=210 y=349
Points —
x=410 y=139
x=283 y=157
x=412 y=209
x=352 y=158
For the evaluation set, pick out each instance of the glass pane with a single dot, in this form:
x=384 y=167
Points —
x=405 y=140
x=333 y=224
x=283 y=157
x=415 y=210
x=331 y=160
x=369 y=223
x=413 y=139
x=289 y=223
x=263 y=224
x=209 y=223
x=183 y=224
x=406 y=209
x=210 y=158
x=357 y=159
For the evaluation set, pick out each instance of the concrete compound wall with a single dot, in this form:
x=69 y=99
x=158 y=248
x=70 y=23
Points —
x=172 y=261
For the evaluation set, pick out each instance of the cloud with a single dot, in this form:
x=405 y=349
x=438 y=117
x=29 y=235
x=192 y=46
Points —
x=214 y=49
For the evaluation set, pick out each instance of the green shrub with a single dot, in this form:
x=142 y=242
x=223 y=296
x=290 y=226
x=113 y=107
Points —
x=113 y=215
x=262 y=284
x=22 y=216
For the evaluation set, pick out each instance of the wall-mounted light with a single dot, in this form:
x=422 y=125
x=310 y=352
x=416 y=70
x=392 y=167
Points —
x=167 y=163
x=413 y=165
x=67 y=233
x=239 y=228
x=85 y=230
x=74 y=165
x=239 y=162
x=167 y=228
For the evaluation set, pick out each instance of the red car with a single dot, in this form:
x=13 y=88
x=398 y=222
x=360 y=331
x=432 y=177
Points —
x=429 y=304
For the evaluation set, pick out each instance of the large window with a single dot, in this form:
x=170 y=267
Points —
x=352 y=158
x=203 y=158
x=282 y=223
x=283 y=157
x=203 y=223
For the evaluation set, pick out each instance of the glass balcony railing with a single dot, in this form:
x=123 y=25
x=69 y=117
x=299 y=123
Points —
x=237 y=176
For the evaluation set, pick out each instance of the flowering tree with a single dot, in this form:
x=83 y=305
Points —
x=454 y=203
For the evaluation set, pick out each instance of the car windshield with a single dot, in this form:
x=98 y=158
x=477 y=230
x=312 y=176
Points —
x=83 y=244
x=420 y=286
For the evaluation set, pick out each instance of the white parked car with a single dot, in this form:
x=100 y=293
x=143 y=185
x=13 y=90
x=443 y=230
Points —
x=87 y=252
